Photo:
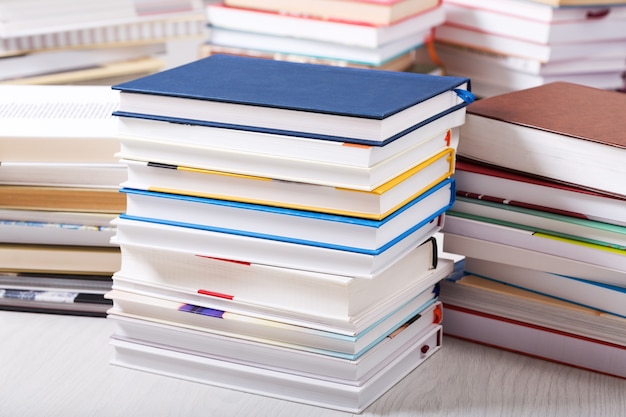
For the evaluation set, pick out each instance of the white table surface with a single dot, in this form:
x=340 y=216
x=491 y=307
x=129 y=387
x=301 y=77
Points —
x=54 y=365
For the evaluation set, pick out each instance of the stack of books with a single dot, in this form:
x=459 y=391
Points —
x=510 y=45
x=91 y=42
x=280 y=223
x=59 y=184
x=540 y=217
x=390 y=34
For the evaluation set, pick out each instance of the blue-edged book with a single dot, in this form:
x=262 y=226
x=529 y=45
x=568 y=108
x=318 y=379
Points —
x=354 y=105
x=291 y=225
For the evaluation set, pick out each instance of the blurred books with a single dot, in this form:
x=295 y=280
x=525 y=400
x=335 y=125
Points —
x=328 y=34
x=61 y=42
x=58 y=194
x=510 y=45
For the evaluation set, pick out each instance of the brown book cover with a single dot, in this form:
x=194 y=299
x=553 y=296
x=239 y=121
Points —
x=565 y=108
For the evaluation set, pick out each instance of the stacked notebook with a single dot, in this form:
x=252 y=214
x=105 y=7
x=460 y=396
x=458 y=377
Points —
x=540 y=217
x=373 y=34
x=280 y=222
x=511 y=45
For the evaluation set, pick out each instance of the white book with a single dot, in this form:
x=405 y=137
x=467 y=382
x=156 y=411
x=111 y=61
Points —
x=70 y=124
x=75 y=175
x=459 y=58
x=329 y=50
x=289 y=225
x=275 y=384
x=375 y=204
x=536 y=341
x=54 y=61
x=542 y=242
x=279 y=358
x=307 y=335
x=271 y=252
x=281 y=168
x=429 y=138
x=479 y=248
x=599 y=296
x=219 y=282
x=492 y=297
x=508 y=24
x=521 y=48
x=333 y=31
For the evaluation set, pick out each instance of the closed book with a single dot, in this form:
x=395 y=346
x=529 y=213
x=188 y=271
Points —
x=530 y=258
x=376 y=204
x=551 y=244
x=60 y=259
x=596 y=25
x=307 y=336
x=347 y=104
x=608 y=298
x=525 y=49
x=525 y=190
x=220 y=282
x=552 y=131
x=570 y=227
x=318 y=258
x=369 y=11
x=84 y=199
x=77 y=127
x=290 y=225
x=353 y=172
x=279 y=358
x=371 y=56
x=276 y=384
x=307 y=27
x=51 y=174
x=514 y=303
x=537 y=341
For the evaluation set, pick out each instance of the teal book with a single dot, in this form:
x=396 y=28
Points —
x=354 y=105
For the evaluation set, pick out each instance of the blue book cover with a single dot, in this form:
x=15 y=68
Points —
x=322 y=221
x=311 y=88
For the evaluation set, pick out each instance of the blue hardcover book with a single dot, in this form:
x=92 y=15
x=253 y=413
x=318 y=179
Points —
x=291 y=225
x=356 y=105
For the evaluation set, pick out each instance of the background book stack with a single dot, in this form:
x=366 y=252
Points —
x=390 y=34
x=278 y=237
x=510 y=45
x=93 y=42
x=59 y=184
x=540 y=217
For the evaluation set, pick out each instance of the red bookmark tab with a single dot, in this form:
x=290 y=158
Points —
x=216 y=294
x=225 y=260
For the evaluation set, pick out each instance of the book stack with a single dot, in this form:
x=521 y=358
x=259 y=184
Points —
x=540 y=217
x=59 y=184
x=389 y=34
x=279 y=232
x=91 y=42
x=511 y=45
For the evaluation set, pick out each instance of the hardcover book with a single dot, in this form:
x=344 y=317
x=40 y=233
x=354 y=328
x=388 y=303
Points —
x=552 y=131
x=289 y=225
x=299 y=26
x=312 y=391
x=348 y=104
x=381 y=12
x=268 y=287
x=524 y=190
x=375 y=204
x=316 y=258
x=279 y=358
